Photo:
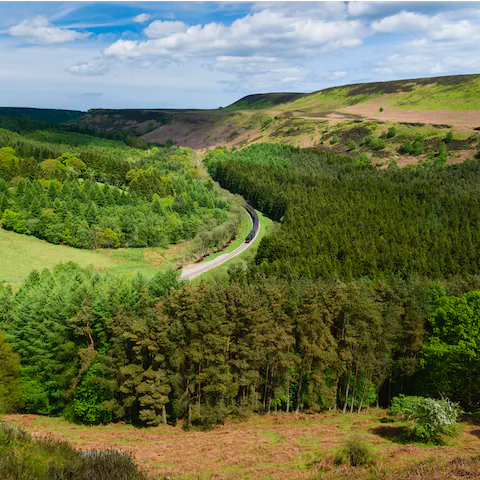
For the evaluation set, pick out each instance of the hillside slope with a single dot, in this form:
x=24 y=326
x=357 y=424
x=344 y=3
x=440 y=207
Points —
x=425 y=106
x=47 y=115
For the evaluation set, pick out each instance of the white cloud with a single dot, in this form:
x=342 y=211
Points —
x=239 y=49
x=159 y=29
x=251 y=35
x=40 y=31
x=142 y=18
x=403 y=21
x=89 y=69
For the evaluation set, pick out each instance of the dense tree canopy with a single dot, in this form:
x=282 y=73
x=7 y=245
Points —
x=101 y=347
x=92 y=192
x=340 y=215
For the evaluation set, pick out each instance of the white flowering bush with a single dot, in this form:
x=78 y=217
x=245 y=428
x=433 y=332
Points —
x=429 y=419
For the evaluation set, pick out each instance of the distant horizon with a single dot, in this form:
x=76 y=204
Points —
x=238 y=99
x=203 y=55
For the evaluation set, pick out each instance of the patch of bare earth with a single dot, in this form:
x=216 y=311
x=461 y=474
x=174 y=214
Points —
x=272 y=446
x=371 y=109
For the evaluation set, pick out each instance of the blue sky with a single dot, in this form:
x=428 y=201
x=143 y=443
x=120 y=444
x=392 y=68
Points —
x=83 y=55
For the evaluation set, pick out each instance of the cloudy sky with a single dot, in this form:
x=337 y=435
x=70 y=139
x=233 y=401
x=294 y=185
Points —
x=83 y=55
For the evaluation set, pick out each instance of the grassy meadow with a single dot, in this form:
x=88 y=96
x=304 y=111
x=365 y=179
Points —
x=280 y=446
x=20 y=254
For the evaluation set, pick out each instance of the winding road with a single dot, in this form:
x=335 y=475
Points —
x=192 y=272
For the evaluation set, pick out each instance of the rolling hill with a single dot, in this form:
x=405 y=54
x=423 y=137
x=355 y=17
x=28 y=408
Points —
x=307 y=119
x=332 y=118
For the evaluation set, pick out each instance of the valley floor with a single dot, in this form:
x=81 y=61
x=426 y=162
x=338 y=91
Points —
x=273 y=446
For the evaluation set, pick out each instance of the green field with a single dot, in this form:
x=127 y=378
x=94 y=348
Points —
x=20 y=254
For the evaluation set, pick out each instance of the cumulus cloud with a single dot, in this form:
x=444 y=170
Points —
x=248 y=36
x=160 y=29
x=240 y=49
x=259 y=71
x=142 y=18
x=40 y=31
x=403 y=21
x=443 y=43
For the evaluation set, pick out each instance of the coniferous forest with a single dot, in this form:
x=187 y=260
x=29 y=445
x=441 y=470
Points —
x=367 y=288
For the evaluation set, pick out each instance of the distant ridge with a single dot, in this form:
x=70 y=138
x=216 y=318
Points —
x=48 y=115
x=264 y=100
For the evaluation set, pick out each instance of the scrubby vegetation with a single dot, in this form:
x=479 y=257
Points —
x=23 y=457
x=429 y=419
x=355 y=452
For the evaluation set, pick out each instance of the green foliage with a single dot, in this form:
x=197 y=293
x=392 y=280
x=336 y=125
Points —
x=373 y=142
x=450 y=357
x=352 y=146
x=442 y=154
x=107 y=348
x=428 y=419
x=87 y=401
x=11 y=392
x=355 y=452
x=418 y=146
x=340 y=216
x=449 y=137
x=334 y=140
x=380 y=109
x=392 y=132
x=406 y=147
x=97 y=198
x=23 y=457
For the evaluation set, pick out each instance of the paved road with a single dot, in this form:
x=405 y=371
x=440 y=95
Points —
x=190 y=273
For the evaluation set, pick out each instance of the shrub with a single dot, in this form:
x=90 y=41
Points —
x=381 y=109
x=429 y=419
x=392 y=131
x=406 y=147
x=334 y=140
x=418 y=145
x=373 y=142
x=356 y=452
x=449 y=137
x=352 y=146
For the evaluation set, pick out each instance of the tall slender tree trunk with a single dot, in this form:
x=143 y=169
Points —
x=299 y=393
x=288 y=397
x=265 y=391
x=335 y=405
x=389 y=389
x=164 y=415
x=347 y=390
x=199 y=387
x=363 y=396
x=354 y=388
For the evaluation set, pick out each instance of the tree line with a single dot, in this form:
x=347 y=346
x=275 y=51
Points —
x=102 y=347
